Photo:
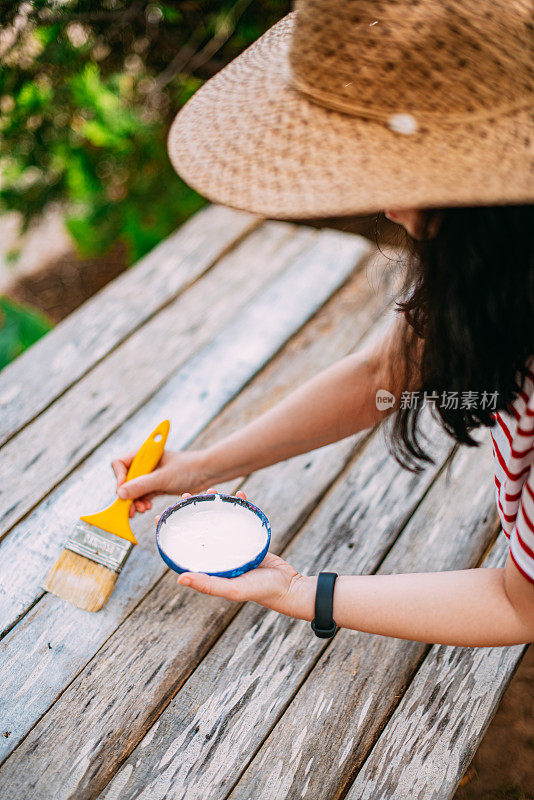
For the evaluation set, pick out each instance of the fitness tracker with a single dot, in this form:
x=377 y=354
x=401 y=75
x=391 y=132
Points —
x=323 y=625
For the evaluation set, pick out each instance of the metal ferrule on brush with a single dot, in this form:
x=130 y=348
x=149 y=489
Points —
x=105 y=548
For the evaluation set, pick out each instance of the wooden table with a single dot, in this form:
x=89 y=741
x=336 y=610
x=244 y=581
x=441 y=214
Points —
x=167 y=693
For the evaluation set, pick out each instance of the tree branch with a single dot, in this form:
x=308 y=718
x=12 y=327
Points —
x=187 y=56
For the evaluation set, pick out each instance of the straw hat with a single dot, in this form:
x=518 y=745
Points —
x=351 y=106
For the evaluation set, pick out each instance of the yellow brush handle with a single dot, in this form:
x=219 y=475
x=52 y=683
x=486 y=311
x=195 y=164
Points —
x=116 y=518
x=150 y=452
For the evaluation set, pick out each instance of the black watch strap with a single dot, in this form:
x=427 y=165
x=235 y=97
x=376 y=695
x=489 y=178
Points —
x=323 y=625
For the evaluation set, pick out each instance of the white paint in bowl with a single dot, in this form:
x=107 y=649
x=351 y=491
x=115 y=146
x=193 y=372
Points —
x=212 y=536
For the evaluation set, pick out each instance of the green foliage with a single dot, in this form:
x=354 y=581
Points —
x=19 y=328
x=83 y=141
x=87 y=93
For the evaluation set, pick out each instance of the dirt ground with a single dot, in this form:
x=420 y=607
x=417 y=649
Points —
x=503 y=767
x=60 y=286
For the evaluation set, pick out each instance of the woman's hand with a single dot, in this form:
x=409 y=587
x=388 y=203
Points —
x=273 y=584
x=175 y=472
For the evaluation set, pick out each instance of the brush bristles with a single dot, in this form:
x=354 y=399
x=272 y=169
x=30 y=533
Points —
x=82 y=582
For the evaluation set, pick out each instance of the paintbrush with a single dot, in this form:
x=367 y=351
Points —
x=86 y=572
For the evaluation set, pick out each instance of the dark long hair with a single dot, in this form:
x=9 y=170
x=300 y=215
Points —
x=469 y=296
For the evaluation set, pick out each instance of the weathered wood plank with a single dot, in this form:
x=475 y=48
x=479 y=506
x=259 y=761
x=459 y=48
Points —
x=54 y=363
x=58 y=440
x=327 y=731
x=156 y=647
x=353 y=503
x=273 y=656
x=188 y=398
x=345 y=318
x=435 y=730
x=306 y=354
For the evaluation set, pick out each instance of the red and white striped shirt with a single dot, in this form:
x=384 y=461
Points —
x=513 y=450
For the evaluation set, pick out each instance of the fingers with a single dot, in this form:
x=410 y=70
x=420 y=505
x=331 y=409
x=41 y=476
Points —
x=142 y=505
x=185 y=495
x=209 y=584
x=139 y=488
x=213 y=490
x=121 y=466
x=134 y=489
x=139 y=506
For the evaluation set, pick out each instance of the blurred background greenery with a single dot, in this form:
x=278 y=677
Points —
x=87 y=93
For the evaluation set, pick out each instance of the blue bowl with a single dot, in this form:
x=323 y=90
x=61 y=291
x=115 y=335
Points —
x=206 y=498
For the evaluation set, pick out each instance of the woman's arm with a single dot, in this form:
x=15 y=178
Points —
x=334 y=404
x=471 y=608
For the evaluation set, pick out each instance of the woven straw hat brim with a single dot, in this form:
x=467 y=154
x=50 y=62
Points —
x=249 y=140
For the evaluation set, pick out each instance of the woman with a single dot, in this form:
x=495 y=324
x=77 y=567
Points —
x=311 y=121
